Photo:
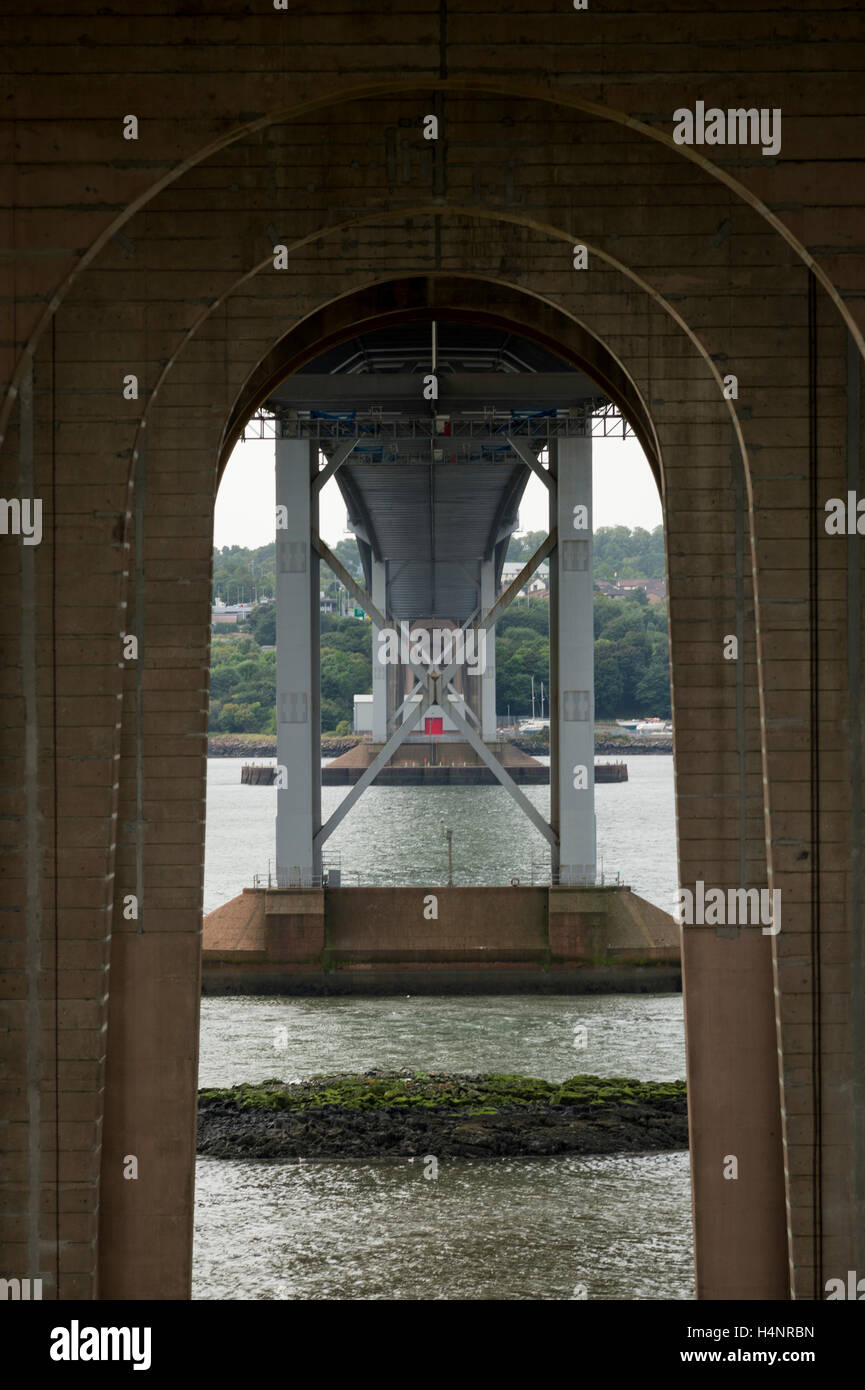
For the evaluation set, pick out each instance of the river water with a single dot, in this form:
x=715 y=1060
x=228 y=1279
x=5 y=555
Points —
x=540 y=1228
x=395 y=832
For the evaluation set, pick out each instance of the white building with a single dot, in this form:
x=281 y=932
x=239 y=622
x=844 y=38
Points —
x=538 y=583
x=227 y=613
x=363 y=714
x=435 y=720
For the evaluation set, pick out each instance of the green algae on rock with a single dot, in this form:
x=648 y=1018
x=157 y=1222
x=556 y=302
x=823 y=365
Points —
x=388 y=1114
x=382 y=1089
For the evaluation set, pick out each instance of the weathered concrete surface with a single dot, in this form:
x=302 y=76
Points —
x=449 y=764
x=485 y=940
x=443 y=764
x=294 y=921
x=606 y=924
x=238 y=925
x=154 y=258
x=454 y=753
x=228 y=977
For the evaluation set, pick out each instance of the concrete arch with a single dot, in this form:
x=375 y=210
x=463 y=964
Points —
x=418 y=299
x=166 y=399
x=469 y=211
x=518 y=91
x=316 y=331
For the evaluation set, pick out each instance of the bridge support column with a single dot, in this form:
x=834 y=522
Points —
x=574 y=696
x=737 y=1178
x=488 y=678
x=380 y=670
x=297 y=684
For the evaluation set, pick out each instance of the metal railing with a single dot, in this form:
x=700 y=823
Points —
x=334 y=875
x=603 y=877
x=289 y=878
x=598 y=417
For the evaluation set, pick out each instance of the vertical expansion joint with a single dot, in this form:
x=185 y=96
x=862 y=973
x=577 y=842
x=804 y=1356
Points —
x=55 y=822
x=443 y=38
x=29 y=691
x=856 y=829
x=139 y=621
x=741 y=747
x=815 y=519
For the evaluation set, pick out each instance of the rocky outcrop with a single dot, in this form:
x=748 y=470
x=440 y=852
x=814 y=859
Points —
x=264 y=746
x=641 y=1120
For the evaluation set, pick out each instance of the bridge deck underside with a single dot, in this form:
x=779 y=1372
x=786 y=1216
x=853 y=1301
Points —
x=435 y=525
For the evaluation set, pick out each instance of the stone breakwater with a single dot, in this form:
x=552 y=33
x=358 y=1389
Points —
x=625 y=747
x=406 y=1115
x=264 y=746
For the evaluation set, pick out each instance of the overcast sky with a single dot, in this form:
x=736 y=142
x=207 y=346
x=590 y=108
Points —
x=625 y=494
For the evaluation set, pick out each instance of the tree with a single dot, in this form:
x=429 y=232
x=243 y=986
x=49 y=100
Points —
x=223 y=679
x=609 y=685
x=347 y=552
x=637 y=554
x=524 y=546
x=238 y=572
x=330 y=716
x=652 y=690
x=241 y=719
x=346 y=634
x=343 y=675
x=262 y=624
x=631 y=662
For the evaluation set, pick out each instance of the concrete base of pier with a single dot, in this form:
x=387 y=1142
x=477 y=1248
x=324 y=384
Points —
x=432 y=940
x=429 y=765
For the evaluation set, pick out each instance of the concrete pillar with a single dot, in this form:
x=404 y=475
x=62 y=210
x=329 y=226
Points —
x=297 y=689
x=734 y=1114
x=575 y=668
x=488 y=679
x=379 y=670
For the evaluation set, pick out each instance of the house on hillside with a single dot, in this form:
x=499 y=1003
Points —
x=654 y=589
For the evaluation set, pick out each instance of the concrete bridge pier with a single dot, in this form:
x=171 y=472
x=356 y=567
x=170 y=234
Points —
x=572 y=650
x=380 y=672
x=298 y=733
x=734 y=1111
x=489 y=593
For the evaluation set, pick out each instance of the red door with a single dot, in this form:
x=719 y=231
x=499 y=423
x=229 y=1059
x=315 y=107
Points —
x=433 y=725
